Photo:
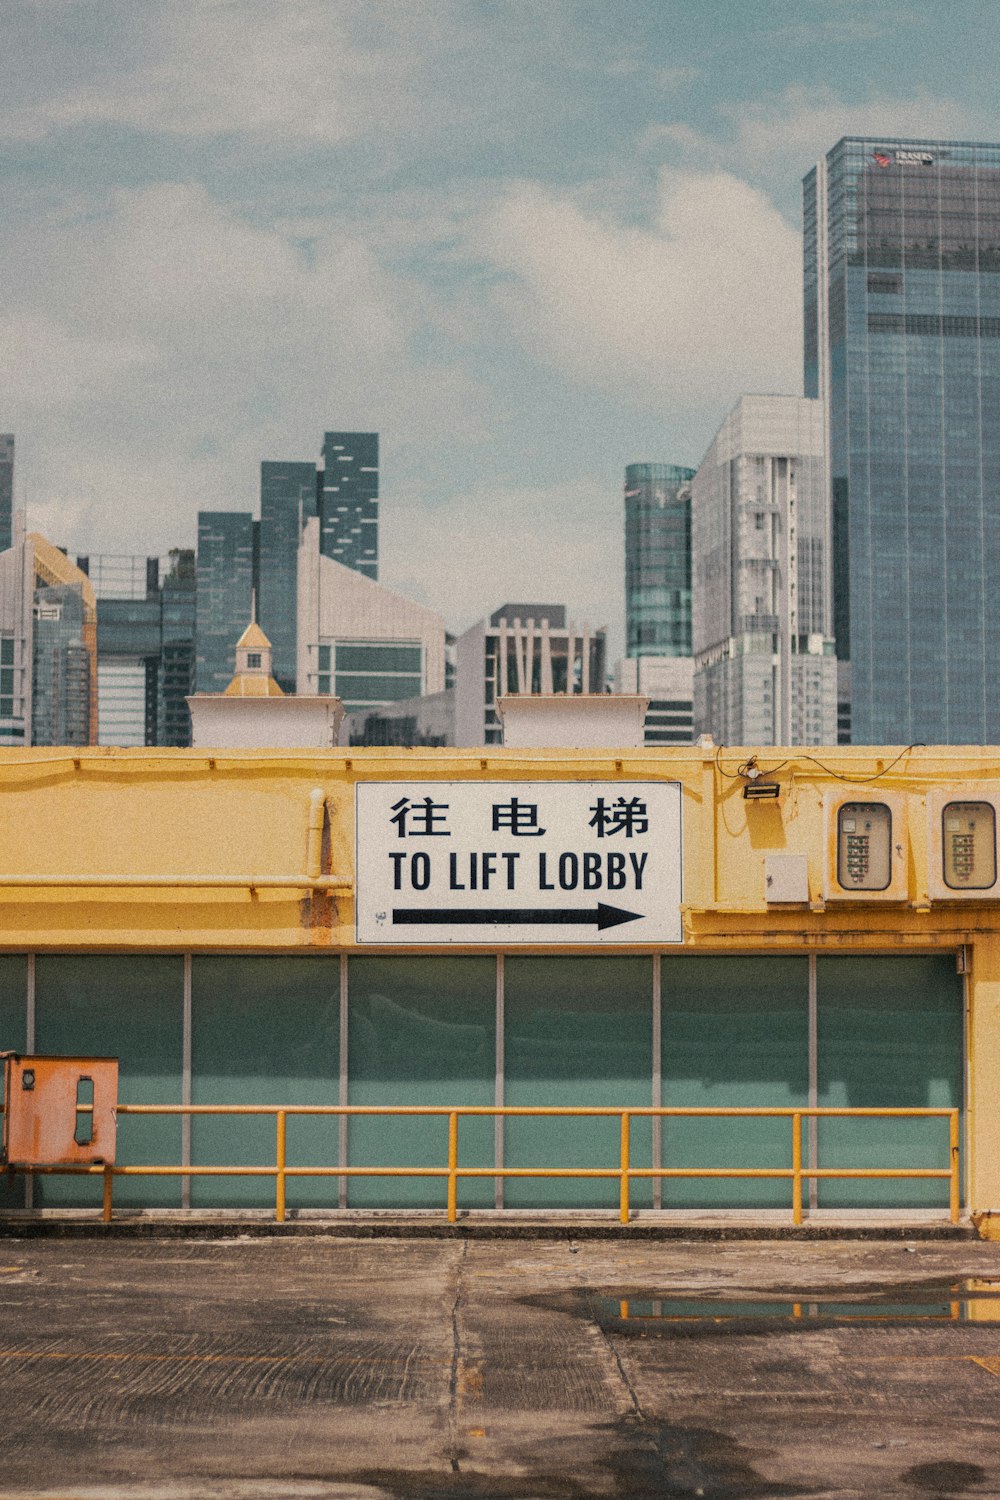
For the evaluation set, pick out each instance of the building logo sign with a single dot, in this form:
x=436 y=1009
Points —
x=903 y=158
x=506 y=862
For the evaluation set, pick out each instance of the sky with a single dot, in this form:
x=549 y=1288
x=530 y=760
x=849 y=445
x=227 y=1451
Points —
x=527 y=241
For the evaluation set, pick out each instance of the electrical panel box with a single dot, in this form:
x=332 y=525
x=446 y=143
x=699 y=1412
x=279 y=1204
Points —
x=786 y=878
x=59 y=1111
x=867 y=845
x=962 y=843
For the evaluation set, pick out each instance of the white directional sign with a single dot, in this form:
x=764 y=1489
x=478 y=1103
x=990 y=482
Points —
x=508 y=862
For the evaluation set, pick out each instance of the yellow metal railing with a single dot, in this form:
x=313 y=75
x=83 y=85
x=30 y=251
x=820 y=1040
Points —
x=625 y=1173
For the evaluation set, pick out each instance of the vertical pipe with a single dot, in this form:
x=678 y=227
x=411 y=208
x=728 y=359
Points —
x=796 y=1168
x=656 y=1123
x=623 y=1188
x=279 y=1168
x=186 y=1079
x=953 y=1157
x=314 y=835
x=29 y=1047
x=452 y=1167
x=342 y=1094
x=499 y=1138
x=813 y=1125
x=108 y=1188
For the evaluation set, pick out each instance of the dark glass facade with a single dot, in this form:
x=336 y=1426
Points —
x=62 y=689
x=145 y=646
x=288 y=498
x=657 y=560
x=177 y=627
x=224 y=590
x=348 y=495
x=902 y=338
x=6 y=489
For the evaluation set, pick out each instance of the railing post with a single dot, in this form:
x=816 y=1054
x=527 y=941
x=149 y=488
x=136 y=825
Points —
x=796 y=1168
x=452 y=1167
x=954 y=1163
x=623 y=1191
x=109 y=1178
x=279 y=1169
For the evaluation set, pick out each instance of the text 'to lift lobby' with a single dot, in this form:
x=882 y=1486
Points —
x=510 y=930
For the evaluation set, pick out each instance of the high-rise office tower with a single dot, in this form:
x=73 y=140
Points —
x=225 y=582
x=177 y=649
x=348 y=493
x=288 y=498
x=764 y=665
x=145 y=646
x=902 y=345
x=658 y=597
x=657 y=560
x=6 y=489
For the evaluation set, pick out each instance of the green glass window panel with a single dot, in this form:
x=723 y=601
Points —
x=323 y=658
x=890 y=1036
x=578 y=1031
x=378 y=658
x=13 y=1038
x=735 y=1033
x=264 y=1030
x=130 y=1007
x=6 y=707
x=7 y=650
x=374 y=688
x=422 y=1031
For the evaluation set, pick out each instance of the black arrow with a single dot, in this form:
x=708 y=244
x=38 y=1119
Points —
x=601 y=916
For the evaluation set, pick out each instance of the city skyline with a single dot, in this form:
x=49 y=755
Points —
x=524 y=278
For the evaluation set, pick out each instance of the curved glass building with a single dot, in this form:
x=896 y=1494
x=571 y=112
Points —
x=657 y=560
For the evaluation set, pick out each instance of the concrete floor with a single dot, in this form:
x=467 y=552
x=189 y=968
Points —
x=169 y=1369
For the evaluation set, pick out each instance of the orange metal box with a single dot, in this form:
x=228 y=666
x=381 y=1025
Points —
x=59 y=1111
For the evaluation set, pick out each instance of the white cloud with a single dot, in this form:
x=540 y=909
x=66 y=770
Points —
x=166 y=345
x=697 y=308
x=224 y=67
x=43 y=365
x=551 y=544
x=803 y=123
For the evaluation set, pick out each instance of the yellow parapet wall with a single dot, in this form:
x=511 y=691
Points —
x=119 y=838
x=121 y=851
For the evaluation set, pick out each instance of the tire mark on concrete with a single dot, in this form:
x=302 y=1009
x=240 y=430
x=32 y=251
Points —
x=456 y=1355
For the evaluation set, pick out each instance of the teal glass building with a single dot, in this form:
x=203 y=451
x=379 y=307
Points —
x=657 y=560
x=902 y=343
x=288 y=498
x=6 y=489
x=348 y=497
x=225 y=582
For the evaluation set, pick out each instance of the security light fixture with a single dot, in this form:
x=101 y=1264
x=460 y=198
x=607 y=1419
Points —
x=755 y=791
x=755 y=787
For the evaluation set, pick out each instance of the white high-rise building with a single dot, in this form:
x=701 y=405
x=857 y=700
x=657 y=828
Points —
x=765 y=672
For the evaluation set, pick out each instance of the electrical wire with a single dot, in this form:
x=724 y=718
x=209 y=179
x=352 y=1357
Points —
x=864 y=780
x=740 y=774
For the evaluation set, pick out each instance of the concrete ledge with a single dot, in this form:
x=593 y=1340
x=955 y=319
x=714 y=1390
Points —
x=480 y=1226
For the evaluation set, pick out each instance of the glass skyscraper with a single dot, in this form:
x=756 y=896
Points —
x=6 y=489
x=902 y=344
x=224 y=593
x=288 y=497
x=145 y=646
x=348 y=489
x=657 y=560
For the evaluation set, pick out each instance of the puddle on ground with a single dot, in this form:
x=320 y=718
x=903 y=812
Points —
x=966 y=1301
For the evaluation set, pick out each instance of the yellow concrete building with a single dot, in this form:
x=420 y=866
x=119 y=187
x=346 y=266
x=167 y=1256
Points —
x=484 y=930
